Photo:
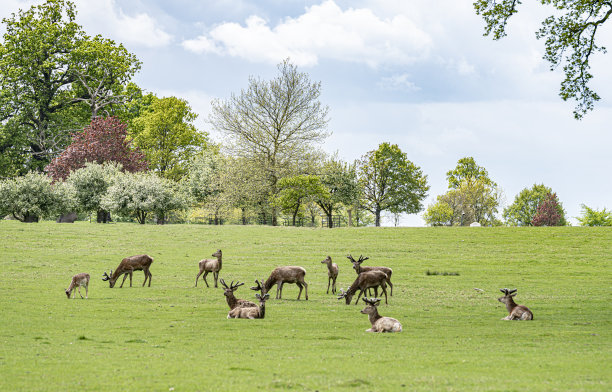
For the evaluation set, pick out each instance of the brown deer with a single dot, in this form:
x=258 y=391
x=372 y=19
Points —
x=78 y=281
x=257 y=312
x=364 y=281
x=210 y=265
x=359 y=269
x=516 y=312
x=282 y=275
x=232 y=301
x=127 y=267
x=332 y=274
x=379 y=323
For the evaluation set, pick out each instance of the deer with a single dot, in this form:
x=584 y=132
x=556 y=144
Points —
x=78 y=281
x=359 y=269
x=282 y=275
x=379 y=323
x=127 y=267
x=364 y=281
x=332 y=274
x=516 y=312
x=210 y=265
x=257 y=312
x=232 y=301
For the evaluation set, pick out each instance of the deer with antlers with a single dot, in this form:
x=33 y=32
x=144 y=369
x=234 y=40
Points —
x=359 y=269
x=516 y=312
x=379 y=323
x=364 y=281
x=232 y=301
x=332 y=274
x=78 y=281
x=210 y=265
x=257 y=312
x=127 y=267
x=282 y=275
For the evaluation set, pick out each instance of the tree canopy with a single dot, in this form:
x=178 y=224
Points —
x=525 y=205
x=469 y=171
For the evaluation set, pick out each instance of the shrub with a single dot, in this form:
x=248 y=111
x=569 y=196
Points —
x=592 y=217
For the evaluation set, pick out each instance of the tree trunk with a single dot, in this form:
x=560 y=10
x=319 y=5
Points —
x=103 y=216
x=30 y=218
x=161 y=218
x=244 y=222
x=377 y=216
x=350 y=217
x=330 y=221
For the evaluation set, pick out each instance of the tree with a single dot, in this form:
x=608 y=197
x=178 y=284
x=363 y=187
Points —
x=522 y=211
x=274 y=123
x=548 y=212
x=296 y=191
x=592 y=217
x=90 y=183
x=103 y=140
x=390 y=181
x=439 y=214
x=569 y=40
x=167 y=136
x=467 y=170
x=340 y=182
x=45 y=58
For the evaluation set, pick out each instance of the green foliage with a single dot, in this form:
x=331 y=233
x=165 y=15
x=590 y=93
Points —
x=391 y=182
x=569 y=36
x=522 y=211
x=204 y=172
x=467 y=171
x=593 y=217
x=91 y=182
x=340 y=182
x=439 y=214
x=295 y=191
x=32 y=196
x=548 y=212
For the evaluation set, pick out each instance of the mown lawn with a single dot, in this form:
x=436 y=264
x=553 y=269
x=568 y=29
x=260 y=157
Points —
x=174 y=336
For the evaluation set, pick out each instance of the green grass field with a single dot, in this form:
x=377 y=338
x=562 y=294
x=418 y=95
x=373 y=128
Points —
x=174 y=336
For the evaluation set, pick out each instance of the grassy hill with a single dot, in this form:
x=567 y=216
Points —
x=174 y=336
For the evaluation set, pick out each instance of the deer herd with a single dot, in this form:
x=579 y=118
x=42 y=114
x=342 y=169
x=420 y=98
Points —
x=368 y=278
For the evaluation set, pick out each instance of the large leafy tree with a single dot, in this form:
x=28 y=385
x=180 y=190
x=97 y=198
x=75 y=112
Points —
x=390 y=181
x=467 y=170
x=569 y=36
x=548 y=212
x=296 y=191
x=90 y=183
x=274 y=123
x=167 y=136
x=522 y=211
x=340 y=182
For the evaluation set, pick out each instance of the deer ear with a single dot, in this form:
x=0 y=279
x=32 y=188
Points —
x=258 y=296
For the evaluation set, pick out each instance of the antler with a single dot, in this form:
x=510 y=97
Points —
x=235 y=286
x=342 y=294
x=105 y=277
x=350 y=258
x=505 y=291
x=512 y=291
x=362 y=259
x=371 y=301
x=223 y=283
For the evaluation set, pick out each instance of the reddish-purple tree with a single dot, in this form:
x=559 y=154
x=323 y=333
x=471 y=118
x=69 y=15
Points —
x=103 y=140
x=547 y=213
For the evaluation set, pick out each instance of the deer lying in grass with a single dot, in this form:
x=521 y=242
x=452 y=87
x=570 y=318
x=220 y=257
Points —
x=257 y=312
x=127 y=267
x=359 y=269
x=516 y=312
x=210 y=265
x=364 y=281
x=282 y=275
x=232 y=301
x=332 y=274
x=78 y=281
x=379 y=323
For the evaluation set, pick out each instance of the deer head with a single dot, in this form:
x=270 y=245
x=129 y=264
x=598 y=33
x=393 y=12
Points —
x=229 y=290
x=372 y=303
x=507 y=298
x=68 y=293
x=108 y=277
x=262 y=298
x=344 y=294
x=217 y=253
x=357 y=263
x=259 y=286
x=327 y=260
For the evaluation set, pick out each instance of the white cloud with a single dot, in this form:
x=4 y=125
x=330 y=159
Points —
x=323 y=31
x=401 y=82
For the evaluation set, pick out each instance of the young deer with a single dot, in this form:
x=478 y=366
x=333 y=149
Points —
x=516 y=312
x=282 y=275
x=257 y=312
x=379 y=323
x=127 y=267
x=232 y=301
x=364 y=281
x=210 y=265
x=78 y=281
x=332 y=274
x=359 y=269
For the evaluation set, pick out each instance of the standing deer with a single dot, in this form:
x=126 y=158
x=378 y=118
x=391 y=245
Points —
x=359 y=269
x=257 y=312
x=210 y=265
x=282 y=275
x=516 y=312
x=127 y=267
x=232 y=301
x=379 y=323
x=332 y=274
x=364 y=281
x=78 y=281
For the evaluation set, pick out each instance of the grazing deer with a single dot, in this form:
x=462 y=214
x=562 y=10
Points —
x=359 y=269
x=516 y=312
x=259 y=286
x=232 y=301
x=257 y=312
x=282 y=275
x=127 y=267
x=78 y=281
x=210 y=265
x=364 y=281
x=379 y=323
x=332 y=274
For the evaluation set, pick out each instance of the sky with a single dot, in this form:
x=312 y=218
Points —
x=416 y=73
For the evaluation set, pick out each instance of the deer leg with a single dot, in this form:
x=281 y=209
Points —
x=305 y=289
x=390 y=285
x=216 y=276
x=198 y=277
x=204 y=277
x=150 y=276
x=384 y=290
x=328 y=282
x=278 y=288
x=86 y=291
x=123 y=281
x=130 y=278
x=301 y=288
x=79 y=287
